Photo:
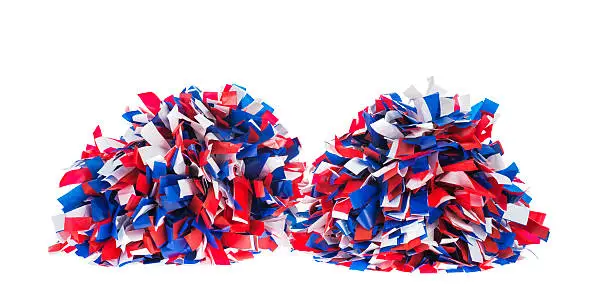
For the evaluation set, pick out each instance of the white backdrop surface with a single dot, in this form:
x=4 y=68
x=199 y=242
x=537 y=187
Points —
x=66 y=67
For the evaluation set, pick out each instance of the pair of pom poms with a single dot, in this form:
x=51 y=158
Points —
x=416 y=183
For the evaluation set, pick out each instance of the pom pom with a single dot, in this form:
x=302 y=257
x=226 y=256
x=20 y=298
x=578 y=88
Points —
x=202 y=177
x=417 y=184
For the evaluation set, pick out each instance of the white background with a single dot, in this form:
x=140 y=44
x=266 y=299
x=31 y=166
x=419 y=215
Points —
x=69 y=66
